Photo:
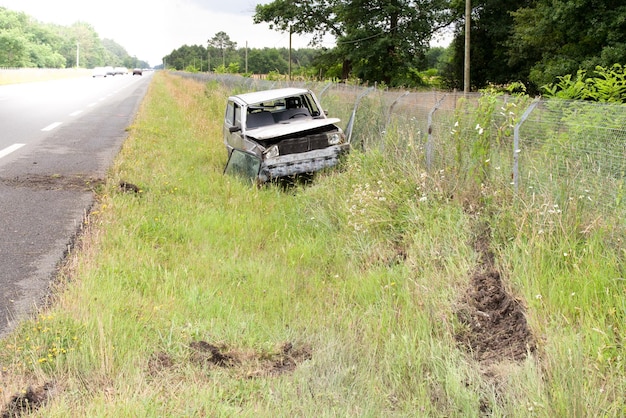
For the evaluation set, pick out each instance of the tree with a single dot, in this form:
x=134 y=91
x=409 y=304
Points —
x=25 y=42
x=222 y=42
x=14 y=44
x=13 y=49
x=560 y=37
x=378 y=40
x=491 y=31
x=262 y=61
x=536 y=41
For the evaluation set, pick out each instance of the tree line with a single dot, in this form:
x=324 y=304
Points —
x=27 y=43
x=531 y=43
x=527 y=42
x=222 y=55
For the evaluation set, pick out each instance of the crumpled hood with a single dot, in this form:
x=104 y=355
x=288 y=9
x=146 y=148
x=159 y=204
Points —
x=288 y=128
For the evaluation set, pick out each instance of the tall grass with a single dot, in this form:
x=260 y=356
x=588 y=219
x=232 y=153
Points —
x=332 y=299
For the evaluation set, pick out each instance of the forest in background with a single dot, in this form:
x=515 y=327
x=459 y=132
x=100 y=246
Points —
x=28 y=43
x=526 y=43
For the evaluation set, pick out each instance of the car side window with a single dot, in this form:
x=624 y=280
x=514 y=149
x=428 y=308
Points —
x=229 y=117
x=237 y=115
x=311 y=105
x=233 y=114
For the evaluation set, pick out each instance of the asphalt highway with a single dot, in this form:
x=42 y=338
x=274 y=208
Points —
x=57 y=140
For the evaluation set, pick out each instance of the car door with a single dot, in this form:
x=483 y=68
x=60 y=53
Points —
x=232 y=126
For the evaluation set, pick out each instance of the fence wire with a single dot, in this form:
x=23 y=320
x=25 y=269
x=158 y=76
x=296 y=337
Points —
x=554 y=150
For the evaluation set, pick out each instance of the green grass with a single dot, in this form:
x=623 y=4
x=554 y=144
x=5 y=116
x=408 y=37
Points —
x=361 y=273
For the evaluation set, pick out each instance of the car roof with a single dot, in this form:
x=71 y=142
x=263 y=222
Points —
x=260 y=96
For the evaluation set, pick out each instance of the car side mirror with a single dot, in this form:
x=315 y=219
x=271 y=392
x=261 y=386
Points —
x=234 y=129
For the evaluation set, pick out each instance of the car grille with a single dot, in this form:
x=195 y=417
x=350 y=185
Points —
x=304 y=144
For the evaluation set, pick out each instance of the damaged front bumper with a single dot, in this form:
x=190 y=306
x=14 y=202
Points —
x=305 y=162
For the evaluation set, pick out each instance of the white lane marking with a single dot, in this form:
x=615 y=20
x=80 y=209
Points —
x=8 y=150
x=76 y=113
x=51 y=126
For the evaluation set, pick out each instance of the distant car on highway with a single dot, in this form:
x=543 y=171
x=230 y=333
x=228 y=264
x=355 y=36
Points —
x=121 y=70
x=99 y=72
x=137 y=71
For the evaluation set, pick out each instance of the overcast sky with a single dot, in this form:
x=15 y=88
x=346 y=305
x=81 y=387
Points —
x=151 y=29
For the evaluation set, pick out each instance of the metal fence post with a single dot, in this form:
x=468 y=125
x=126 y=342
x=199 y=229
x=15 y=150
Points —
x=350 y=125
x=516 y=146
x=326 y=87
x=429 y=141
x=389 y=115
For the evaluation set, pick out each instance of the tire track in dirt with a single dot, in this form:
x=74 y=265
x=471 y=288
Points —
x=495 y=324
x=494 y=327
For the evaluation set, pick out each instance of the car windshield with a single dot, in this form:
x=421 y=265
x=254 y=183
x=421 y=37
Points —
x=304 y=101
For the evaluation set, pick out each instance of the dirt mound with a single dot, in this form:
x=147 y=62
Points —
x=28 y=401
x=495 y=326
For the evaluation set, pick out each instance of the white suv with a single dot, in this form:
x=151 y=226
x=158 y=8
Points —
x=278 y=133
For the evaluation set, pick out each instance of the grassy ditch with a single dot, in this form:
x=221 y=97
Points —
x=378 y=290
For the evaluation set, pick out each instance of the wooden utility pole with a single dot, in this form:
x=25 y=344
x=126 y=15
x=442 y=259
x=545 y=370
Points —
x=466 y=70
x=290 y=32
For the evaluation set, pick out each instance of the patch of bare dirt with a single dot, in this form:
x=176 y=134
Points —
x=28 y=401
x=495 y=324
x=203 y=352
x=54 y=182
x=159 y=362
x=284 y=359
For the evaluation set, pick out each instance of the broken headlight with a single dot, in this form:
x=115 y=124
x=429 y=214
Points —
x=335 y=138
x=272 y=152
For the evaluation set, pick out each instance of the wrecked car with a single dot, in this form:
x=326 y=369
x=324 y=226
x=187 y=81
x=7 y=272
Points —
x=279 y=133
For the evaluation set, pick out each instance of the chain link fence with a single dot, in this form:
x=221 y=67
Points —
x=553 y=151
